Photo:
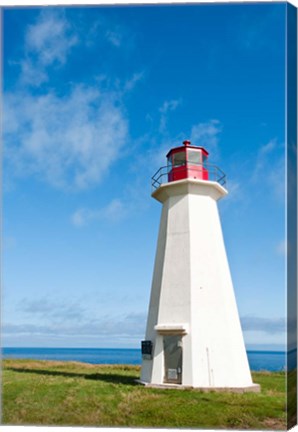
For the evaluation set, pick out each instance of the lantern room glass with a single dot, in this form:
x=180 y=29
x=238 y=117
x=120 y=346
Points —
x=179 y=158
x=194 y=157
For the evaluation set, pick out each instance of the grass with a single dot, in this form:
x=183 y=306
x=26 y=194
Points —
x=72 y=393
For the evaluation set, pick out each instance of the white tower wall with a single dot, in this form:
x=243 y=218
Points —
x=192 y=292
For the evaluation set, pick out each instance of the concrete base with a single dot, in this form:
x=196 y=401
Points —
x=255 y=388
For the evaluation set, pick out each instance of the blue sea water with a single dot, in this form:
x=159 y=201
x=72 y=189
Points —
x=258 y=360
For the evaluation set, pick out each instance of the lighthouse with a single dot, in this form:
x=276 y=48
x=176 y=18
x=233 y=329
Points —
x=193 y=335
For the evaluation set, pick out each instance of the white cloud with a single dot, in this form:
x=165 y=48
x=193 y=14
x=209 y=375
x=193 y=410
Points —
x=276 y=179
x=114 y=38
x=32 y=74
x=130 y=83
x=130 y=325
x=262 y=159
x=164 y=109
x=49 y=38
x=47 y=42
x=169 y=106
x=270 y=168
x=52 y=310
x=206 y=135
x=114 y=211
x=69 y=141
x=235 y=193
x=268 y=325
x=234 y=189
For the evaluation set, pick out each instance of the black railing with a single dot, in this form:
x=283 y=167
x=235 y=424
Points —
x=201 y=171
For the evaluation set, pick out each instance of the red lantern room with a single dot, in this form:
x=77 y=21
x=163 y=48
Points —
x=187 y=161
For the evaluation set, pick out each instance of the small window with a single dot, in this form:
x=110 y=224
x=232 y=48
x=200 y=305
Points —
x=194 y=156
x=147 y=349
x=170 y=162
x=179 y=158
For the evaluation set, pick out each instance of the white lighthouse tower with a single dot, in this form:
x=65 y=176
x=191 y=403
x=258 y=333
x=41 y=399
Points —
x=193 y=335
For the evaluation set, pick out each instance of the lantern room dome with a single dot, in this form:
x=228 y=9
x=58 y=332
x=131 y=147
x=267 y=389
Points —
x=187 y=145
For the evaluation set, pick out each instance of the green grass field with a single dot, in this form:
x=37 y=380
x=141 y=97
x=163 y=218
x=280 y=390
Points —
x=70 y=393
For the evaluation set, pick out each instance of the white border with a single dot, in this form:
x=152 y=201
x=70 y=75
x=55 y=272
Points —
x=15 y=3
x=11 y=3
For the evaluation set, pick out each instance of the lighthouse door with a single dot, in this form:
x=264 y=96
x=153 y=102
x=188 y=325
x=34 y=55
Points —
x=172 y=346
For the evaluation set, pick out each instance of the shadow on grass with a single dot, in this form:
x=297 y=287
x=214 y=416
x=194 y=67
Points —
x=110 y=378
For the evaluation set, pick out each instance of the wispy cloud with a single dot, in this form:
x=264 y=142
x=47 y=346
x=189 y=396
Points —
x=255 y=34
x=167 y=106
x=114 y=211
x=276 y=179
x=269 y=168
x=262 y=159
x=262 y=172
x=68 y=141
x=235 y=195
x=66 y=138
x=47 y=42
x=268 y=325
x=52 y=310
x=234 y=190
x=131 y=83
x=130 y=325
x=207 y=135
x=118 y=35
x=115 y=38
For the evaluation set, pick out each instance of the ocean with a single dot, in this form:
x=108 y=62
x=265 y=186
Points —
x=258 y=360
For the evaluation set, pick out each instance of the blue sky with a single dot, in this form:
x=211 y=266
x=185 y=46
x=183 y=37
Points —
x=93 y=100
